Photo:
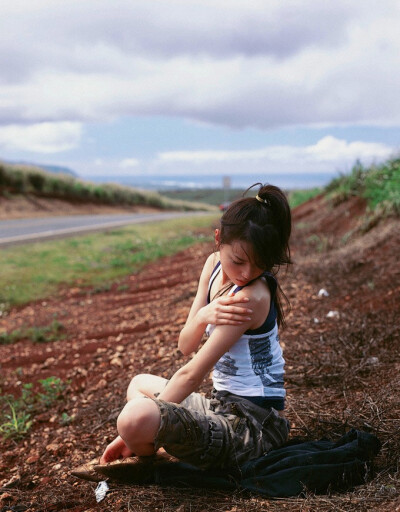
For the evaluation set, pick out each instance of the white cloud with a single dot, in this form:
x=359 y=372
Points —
x=42 y=137
x=259 y=64
x=324 y=156
x=128 y=163
x=331 y=149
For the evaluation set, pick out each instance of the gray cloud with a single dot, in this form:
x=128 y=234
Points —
x=171 y=28
x=232 y=63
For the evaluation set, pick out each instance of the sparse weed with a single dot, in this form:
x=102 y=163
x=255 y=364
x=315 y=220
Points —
x=101 y=288
x=52 y=387
x=66 y=419
x=6 y=338
x=319 y=243
x=346 y=237
x=43 y=334
x=302 y=225
x=15 y=424
x=17 y=414
x=47 y=333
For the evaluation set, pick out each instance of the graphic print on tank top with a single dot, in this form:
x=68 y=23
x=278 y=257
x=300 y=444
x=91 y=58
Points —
x=261 y=358
x=227 y=365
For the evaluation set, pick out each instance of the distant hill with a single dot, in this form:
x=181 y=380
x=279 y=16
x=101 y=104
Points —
x=61 y=183
x=51 y=168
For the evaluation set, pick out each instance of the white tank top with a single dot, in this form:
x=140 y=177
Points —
x=254 y=365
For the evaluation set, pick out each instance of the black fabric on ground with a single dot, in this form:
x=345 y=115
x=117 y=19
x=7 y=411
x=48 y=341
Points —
x=316 y=466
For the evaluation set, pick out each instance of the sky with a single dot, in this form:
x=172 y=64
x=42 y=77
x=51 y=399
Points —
x=212 y=87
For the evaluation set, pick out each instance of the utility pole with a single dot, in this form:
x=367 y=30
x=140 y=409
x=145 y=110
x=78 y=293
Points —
x=226 y=183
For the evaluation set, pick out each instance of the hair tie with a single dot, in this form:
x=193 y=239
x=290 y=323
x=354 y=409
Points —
x=265 y=201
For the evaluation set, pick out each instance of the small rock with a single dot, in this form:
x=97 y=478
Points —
x=32 y=459
x=49 y=362
x=101 y=384
x=333 y=314
x=52 y=447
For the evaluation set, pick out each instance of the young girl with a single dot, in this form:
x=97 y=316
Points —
x=237 y=302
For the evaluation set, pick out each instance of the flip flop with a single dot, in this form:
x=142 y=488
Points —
x=138 y=470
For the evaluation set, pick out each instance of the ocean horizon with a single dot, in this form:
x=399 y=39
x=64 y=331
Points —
x=289 y=181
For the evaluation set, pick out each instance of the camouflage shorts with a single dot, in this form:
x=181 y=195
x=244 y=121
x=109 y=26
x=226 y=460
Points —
x=222 y=432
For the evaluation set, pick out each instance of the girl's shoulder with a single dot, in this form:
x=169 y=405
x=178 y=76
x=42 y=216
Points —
x=208 y=268
x=258 y=291
x=211 y=262
x=271 y=282
x=259 y=300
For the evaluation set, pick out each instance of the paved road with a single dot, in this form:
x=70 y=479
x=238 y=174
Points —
x=31 y=230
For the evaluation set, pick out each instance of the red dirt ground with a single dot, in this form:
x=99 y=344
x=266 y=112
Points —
x=342 y=372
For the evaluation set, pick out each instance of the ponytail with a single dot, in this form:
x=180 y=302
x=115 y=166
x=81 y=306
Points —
x=265 y=222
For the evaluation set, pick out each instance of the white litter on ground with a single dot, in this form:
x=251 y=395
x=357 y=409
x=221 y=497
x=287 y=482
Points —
x=101 y=491
x=323 y=293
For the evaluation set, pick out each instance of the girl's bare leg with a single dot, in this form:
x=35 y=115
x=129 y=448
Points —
x=137 y=425
x=145 y=385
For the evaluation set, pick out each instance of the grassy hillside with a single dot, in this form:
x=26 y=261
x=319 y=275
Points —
x=21 y=179
x=379 y=185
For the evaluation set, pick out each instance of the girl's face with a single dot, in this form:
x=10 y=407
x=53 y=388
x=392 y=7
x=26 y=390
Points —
x=237 y=261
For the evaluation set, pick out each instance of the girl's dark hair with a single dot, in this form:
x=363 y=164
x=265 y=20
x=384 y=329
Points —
x=264 y=222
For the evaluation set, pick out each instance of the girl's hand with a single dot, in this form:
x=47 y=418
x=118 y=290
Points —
x=226 y=311
x=117 y=449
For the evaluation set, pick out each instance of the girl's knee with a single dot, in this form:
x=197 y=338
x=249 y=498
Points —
x=139 y=421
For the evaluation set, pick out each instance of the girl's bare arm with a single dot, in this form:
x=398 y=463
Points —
x=224 y=310
x=188 y=378
x=192 y=333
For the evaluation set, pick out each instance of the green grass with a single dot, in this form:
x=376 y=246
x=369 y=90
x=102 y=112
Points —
x=379 y=185
x=36 y=271
x=297 y=197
